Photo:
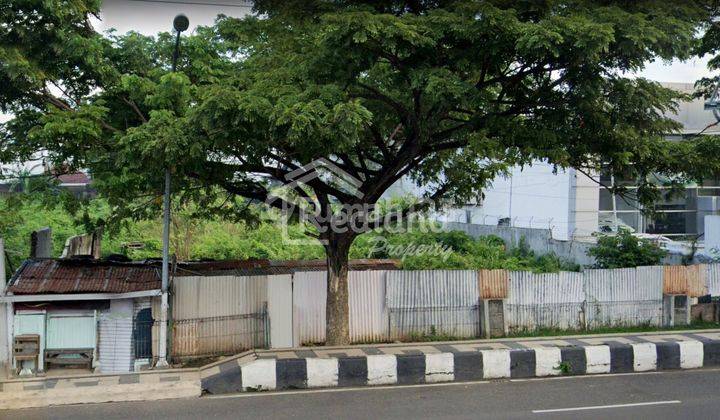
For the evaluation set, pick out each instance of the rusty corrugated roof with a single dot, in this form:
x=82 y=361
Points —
x=67 y=276
x=269 y=267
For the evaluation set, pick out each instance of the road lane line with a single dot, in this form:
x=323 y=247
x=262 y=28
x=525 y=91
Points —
x=602 y=407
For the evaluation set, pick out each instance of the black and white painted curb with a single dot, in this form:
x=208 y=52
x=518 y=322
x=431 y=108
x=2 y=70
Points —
x=387 y=369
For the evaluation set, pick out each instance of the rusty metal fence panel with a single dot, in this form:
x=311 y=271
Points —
x=433 y=302
x=624 y=297
x=493 y=284
x=685 y=280
x=552 y=300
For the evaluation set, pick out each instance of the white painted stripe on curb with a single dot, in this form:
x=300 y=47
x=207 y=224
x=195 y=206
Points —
x=382 y=369
x=547 y=361
x=644 y=357
x=598 y=359
x=496 y=363
x=322 y=372
x=691 y=354
x=600 y=407
x=439 y=367
x=259 y=375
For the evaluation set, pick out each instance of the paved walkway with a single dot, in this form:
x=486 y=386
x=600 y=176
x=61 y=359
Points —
x=502 y=343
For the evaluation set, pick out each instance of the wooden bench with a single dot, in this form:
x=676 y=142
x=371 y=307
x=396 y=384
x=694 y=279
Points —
x=58 y=357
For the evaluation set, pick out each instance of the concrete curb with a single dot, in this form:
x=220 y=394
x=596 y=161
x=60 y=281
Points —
x=386 y=369
x=140 y=386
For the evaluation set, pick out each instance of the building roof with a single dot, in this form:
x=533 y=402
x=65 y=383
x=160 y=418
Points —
x=81 y=275
x=75 y=178
x=269 y=267
x=68 y=276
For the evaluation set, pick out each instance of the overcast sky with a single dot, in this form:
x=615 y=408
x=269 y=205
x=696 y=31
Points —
x=152 y=16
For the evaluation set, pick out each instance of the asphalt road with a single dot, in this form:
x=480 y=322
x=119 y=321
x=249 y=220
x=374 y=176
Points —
x=681 y=394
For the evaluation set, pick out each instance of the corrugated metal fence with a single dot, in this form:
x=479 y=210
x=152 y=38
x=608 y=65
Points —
x=226 y=314
x=437 y=302
x=218 y=314
x=545 y=301
x=628 y=296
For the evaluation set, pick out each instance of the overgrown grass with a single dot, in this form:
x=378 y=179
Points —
x=550 y=332
x=434 y=335
x=194 y=239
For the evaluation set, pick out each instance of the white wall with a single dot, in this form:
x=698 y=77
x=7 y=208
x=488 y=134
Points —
x=149 y=18
x=532 y=197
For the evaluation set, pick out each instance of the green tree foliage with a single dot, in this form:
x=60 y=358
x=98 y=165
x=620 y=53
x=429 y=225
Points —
x=219 y=239
x=625 y=250
x=448 y=93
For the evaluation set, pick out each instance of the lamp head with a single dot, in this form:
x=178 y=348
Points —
x=181 y=23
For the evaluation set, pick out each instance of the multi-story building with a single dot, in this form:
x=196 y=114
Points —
x=575 y=206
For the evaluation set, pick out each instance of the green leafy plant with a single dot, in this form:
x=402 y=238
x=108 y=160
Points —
x=564 y=368
x=625 y=250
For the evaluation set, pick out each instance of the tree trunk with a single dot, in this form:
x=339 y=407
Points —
x=337 y=330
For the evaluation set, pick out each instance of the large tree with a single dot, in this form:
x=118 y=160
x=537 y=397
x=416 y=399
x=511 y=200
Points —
x=446 y=93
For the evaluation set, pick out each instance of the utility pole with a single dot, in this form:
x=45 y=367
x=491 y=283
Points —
x=180 y=23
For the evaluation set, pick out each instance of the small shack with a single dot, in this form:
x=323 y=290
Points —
x=80 y=312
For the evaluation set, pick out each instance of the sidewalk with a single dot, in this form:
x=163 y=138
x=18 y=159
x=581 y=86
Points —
x=406 y=363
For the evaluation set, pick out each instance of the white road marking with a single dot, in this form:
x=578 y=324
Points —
x=602 y=407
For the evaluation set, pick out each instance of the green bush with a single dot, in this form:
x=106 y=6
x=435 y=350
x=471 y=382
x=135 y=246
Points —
x=217 y=239
x=625 y=250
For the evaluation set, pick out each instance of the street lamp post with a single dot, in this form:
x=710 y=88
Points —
x=180 y=23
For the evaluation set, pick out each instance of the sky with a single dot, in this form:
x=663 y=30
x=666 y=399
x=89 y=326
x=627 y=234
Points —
x=152 y=16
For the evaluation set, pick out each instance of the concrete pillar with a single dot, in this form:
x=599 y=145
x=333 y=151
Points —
x=41 y=243
x=280 y=311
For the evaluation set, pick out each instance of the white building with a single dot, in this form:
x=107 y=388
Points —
x=575 y=206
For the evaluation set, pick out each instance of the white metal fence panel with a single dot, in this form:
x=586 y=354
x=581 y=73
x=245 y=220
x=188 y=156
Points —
x=552 y=300
x=369 y=316
x=437 y=302
x=712 y=277
x=309 y=301
x=115 y=350
x=215 y=296
x=71 y=330
x=626 y=296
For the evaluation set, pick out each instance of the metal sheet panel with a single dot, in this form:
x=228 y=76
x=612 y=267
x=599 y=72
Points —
x=685 y=280
x=624 y=297
x=432 y=289
x=70 y=331
x=115 y=325
x=436 y=302
x=712 y=277
x=309 y=301
x=207 y=297
x=493 y=284
x=368 y=314
x=553 y=300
